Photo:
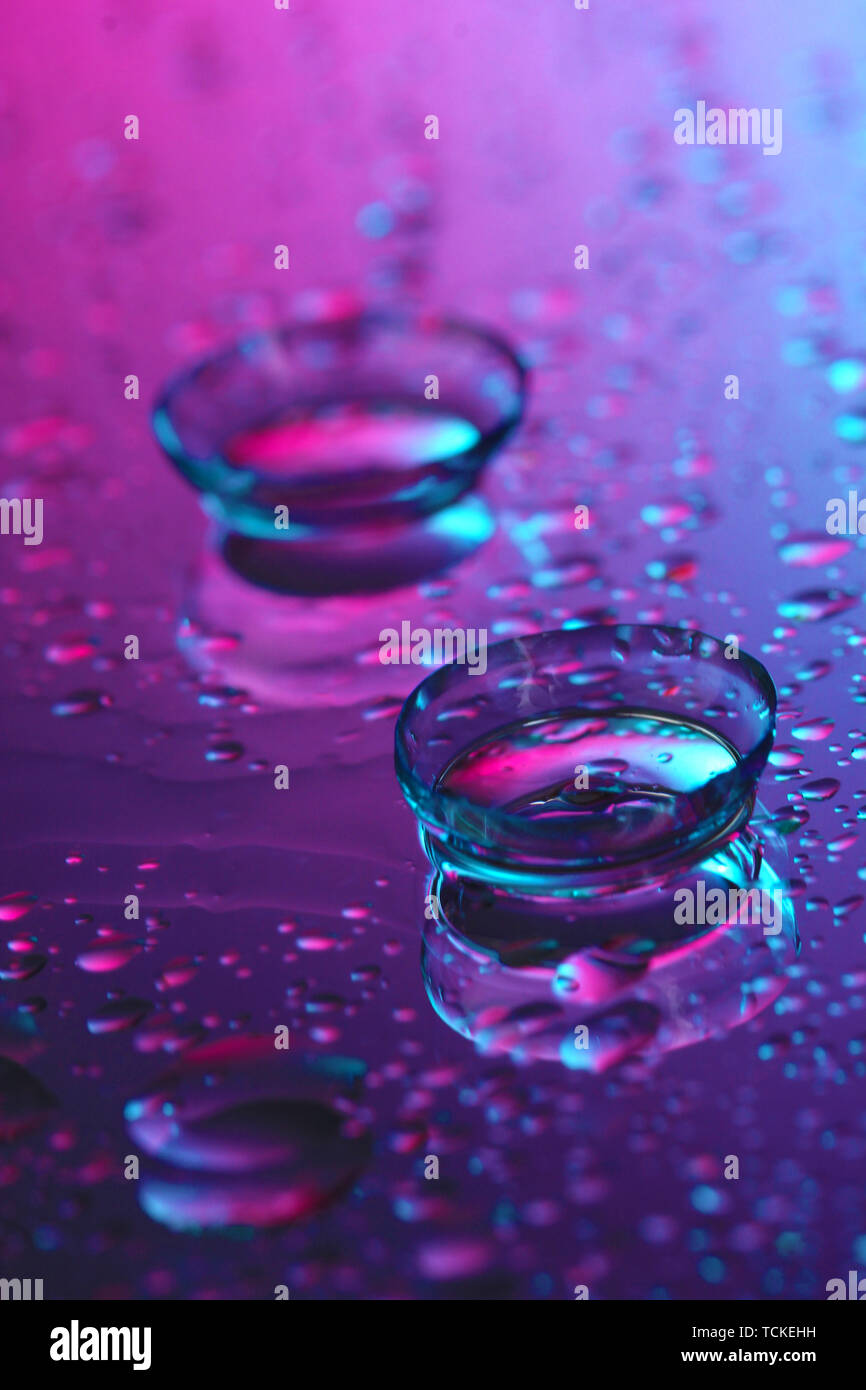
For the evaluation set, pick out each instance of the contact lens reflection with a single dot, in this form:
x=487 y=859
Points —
x=369 y=559
x=628 y=975
x=293 y=624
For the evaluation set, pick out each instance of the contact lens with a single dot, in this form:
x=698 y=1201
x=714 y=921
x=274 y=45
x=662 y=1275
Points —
x=346 y=424
x=594 y=756
x=628 y=779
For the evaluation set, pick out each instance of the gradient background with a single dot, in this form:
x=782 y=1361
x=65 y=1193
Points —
x=261 y=127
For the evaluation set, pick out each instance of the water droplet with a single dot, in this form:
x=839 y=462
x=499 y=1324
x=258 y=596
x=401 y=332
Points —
x=816 y=604
x=22 y=967
x=81 y=702
x=813 y=730
x=812 y=548
x=240 y=1134
x=225 y=751
x=69 y=649
x=822 y=789
x=118 y=1015
x=15 y=905
x=102 y=956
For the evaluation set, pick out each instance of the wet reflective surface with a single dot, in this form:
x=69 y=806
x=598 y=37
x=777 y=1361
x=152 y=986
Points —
x=612 y=977
x=304 y=908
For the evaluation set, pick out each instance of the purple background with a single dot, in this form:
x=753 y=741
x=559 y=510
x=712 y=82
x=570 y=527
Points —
x=260 y=127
